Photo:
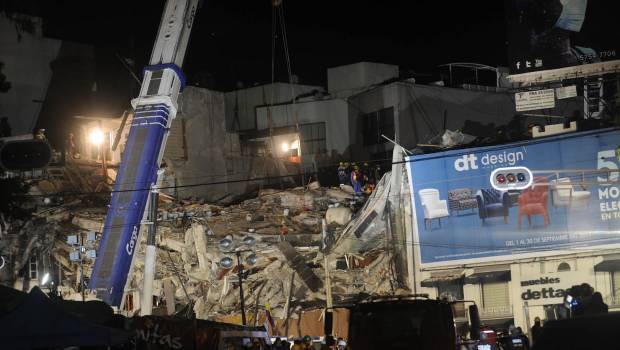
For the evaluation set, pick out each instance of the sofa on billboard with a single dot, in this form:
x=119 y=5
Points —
x=533 y=201
x=434 y=207
x=461 y=199
x=493 y=203
x=565 y=194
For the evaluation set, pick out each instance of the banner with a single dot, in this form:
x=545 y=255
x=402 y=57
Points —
x=572 y=204
x=548 y=34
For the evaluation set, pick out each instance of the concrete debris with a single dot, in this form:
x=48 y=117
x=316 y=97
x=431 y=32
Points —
x=339 y=215
x=285 y=224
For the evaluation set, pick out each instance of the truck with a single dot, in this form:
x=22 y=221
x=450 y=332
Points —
x=411 y=322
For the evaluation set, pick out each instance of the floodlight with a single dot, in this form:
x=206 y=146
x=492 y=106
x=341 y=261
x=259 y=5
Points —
x=74 y=256
x=226 y=244
x=72 y=240
x=91 y=236
x=251 y=259
x=96 y=137
x=249 y=240
x=226 y=262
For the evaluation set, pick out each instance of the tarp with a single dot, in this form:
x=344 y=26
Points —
x=39 y=322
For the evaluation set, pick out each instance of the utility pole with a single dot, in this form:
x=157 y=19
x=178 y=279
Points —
x=150 y=256
x=241 y=297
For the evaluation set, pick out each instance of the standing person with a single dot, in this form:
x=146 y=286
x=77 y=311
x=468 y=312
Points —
x=342 y=174
x=356 y=181
x=71 y=149
x=5 y=127
x=536 y=330
x=308 y=342
x=365 y=174
x=328 y=343
x=297 y=345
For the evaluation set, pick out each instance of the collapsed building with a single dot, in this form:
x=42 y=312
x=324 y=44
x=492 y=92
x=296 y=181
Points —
x=312 y=243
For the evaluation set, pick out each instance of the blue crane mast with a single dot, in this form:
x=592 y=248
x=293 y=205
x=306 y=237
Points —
x=154 y=109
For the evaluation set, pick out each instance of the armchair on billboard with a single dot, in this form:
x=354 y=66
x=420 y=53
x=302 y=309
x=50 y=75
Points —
x=524 y=199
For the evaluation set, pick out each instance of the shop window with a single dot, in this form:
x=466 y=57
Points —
x=33 y=271
x=376 y=124
x=563 y=267
x=313 y=140
x=450 y=291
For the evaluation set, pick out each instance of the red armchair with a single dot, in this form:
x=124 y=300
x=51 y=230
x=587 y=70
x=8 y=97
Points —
x=533 y=201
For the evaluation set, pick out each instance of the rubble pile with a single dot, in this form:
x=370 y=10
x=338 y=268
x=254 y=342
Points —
x=299 y=233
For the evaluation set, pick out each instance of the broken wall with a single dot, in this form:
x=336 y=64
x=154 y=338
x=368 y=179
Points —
x=212 y=154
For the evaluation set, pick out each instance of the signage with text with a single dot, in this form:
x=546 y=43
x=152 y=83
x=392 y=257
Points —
x=532 y=100
x=573 y=201
x=549 y=288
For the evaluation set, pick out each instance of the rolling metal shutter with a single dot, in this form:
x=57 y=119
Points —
x=495 y=295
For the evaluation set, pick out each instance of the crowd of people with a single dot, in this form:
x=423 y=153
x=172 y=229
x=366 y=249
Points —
x=306 y=343
x=363 y=179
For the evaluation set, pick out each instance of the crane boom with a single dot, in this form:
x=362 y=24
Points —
x=154 y=110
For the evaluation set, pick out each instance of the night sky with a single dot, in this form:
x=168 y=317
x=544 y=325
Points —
x=231 y=40
x=231 y=43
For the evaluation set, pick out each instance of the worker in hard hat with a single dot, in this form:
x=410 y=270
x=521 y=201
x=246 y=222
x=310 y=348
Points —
x=356 y=181
x=342 y=174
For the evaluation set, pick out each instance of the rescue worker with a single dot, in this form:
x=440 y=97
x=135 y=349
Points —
x=365 y=174
x=5 y=127
x=356 y=181
x=297 y=345
x=308 y=342
x=536 y=330
x=347 y=170
x=342 y=174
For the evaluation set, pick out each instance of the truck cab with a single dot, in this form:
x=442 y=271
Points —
x=402 y=322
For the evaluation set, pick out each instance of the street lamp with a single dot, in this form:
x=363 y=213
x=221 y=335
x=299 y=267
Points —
x=227 y=247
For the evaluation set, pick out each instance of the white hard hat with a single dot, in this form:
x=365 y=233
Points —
x=342 y=343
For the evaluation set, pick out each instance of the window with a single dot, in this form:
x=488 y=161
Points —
x=313 y=139
x=450 y=291
x=154 y=83
x=377 y=123
x=32 y=268
x=563 y=267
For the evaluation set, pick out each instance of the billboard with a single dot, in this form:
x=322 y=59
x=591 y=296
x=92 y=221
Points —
x=549 y=34
x=572 y=204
